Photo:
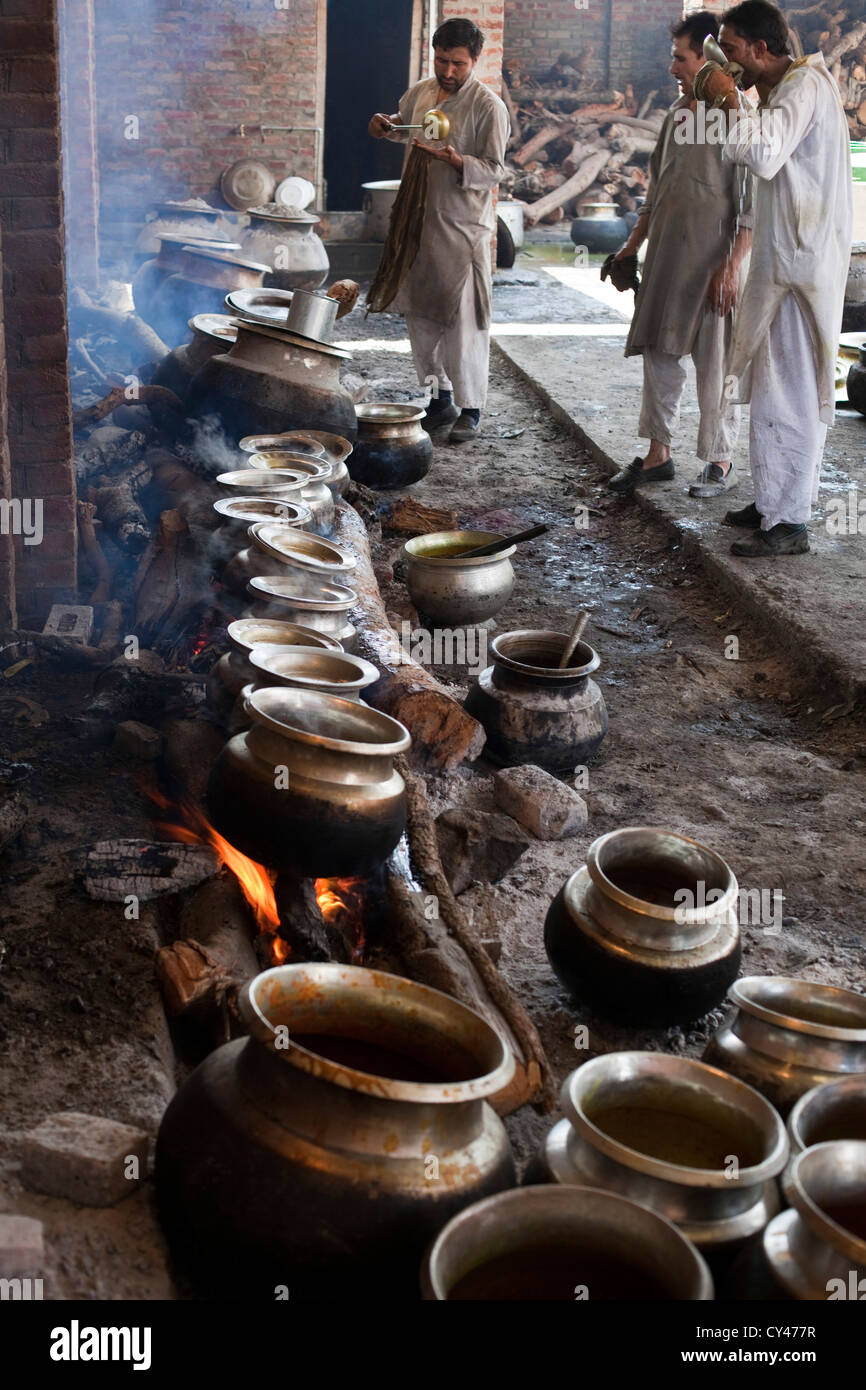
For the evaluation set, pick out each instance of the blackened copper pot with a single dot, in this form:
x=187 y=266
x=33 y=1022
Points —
x=324 y=1152
x=311 y=787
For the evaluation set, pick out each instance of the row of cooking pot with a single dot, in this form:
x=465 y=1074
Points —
x=353 y=1127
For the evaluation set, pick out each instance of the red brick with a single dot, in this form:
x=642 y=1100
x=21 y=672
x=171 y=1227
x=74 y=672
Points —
x=58 y=513
x=47 y=410
x=23 y=36
x=26 y=146
x=37 y=314
x=43 y=380
x=29 y=180
x=24 y=110
x=34 y=75
x=31 y=212
x=48 y=479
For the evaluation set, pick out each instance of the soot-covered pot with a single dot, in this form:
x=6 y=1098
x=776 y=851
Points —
x=534 y=713
x=392 y=449
x=647 y=929
x=325 y=1151
x=789 y=1035
x=311 y=787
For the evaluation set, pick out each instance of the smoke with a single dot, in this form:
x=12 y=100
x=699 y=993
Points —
x=211 y=445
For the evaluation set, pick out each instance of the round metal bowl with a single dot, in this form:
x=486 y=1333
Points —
x=302 y=668
x=557 y=1244
x=312 y=555
x=296 y=443
x=789 y=1035
x=534 y=653
x=836 y=1110
x=691 y=1143
x=817 y=1249
x=448 y=588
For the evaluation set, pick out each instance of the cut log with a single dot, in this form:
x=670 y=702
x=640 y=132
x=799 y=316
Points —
x=112 y=627
x=128 y=329
x=545 y=136
x=854 y=36
x=94 y=553
x=455 y=950
x=443 y=734
x=170 y=582
x=145 y=869
x=651 y=126
x=580 y=151
x=120 y=514
x=586 y=174
x=646 y=105
x=512 y=113
x=151 y=396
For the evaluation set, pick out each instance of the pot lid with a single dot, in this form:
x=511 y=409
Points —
x=295 y=192
x=301 y=548
x=194 y=207
x=291 y=588
x=275 y=212
x=261 y=306
x=315 y=466
x=252 y=509
x=217 y=242
x=215 y=326
x=246 y=183
x=212 y=254
x=282 y=335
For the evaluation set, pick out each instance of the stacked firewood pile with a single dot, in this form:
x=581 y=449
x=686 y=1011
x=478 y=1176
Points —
x=839 y=32
x=571 y=145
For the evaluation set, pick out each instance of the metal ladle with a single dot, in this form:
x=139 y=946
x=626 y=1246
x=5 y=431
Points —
x=431 y=118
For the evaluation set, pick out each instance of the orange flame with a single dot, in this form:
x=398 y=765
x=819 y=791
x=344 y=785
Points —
x=343 y=896
x=253 y=878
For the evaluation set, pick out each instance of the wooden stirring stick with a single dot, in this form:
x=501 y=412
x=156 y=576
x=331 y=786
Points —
x=574 y=637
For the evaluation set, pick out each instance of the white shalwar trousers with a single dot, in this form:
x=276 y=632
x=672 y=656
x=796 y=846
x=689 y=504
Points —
x=664 y=377
x=457 y=358
x=786 y=436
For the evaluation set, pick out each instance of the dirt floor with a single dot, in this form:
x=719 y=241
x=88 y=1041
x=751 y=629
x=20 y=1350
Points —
x=732 y=752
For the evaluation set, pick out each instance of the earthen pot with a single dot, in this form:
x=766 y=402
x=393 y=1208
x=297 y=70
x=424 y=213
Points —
x=325 y=1151
x=531 y=711
x=312 y=786
x=271 y=382
x=789 y=1035
x=647 y=930
x=392 y=448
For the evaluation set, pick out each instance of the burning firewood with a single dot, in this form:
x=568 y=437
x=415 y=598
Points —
x=145 y=869
x=171 y=581
x=147 y=395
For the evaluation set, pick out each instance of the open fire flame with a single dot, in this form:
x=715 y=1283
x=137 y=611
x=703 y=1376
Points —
x=341 y=902
x=254 y=879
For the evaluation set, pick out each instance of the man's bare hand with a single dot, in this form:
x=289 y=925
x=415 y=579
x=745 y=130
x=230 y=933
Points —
x=448 y=155
x=722 y=294
x=380 y=124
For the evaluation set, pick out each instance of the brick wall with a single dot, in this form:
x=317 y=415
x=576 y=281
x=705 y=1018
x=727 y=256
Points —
x=182 y=77
x=489 y=15
x=630 y=39
x=8 y=616
x=31 y=219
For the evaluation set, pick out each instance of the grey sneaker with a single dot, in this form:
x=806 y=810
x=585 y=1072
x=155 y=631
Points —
x=712 y=482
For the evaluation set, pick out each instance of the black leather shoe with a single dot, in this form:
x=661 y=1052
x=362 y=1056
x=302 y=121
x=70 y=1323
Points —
x=748 y=517
x=782 y=539
x=438 y=414
x=634 y=473
x=467 y=428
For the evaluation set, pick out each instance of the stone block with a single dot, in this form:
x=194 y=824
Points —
x=478 y=845
x=540 y=802
x=138 y=740
x=84 y=1158
x=21 y=1248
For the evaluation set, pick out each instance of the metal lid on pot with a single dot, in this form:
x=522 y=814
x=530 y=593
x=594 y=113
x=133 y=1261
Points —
x=214 y=326
x=275 y=212
x=282 y=335
x=261 y=306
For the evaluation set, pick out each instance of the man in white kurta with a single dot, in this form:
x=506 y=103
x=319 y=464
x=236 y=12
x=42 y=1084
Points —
x=447 y=294
x=697 y=216
x=784 y=351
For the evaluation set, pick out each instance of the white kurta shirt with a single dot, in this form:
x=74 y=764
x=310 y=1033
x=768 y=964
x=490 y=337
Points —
x=797 y=145
x=459 y=221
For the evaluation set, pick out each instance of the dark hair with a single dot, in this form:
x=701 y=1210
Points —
x=459 y=33
x=696 y=28
x=755 y=20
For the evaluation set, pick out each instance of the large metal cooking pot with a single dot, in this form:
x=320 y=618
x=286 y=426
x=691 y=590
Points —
x=817 y=1249
x=233 y=671
x=449 y=589
x=312 y=786
x=323 y=607
x=183 y=220
x=691 y=1143
x=211 y=333
x=272 y=381
x=291 y=248
x=790 y=1035
x=392 y=448
x=647 y=930
x=317 y=443
x=377 y=202
x=836 y=1110
x=239 y=514
x=170 y=260
x=287 y=483
x=325 y=1151
x=320 y=467
x=275 y=549
x=300 y=668
x=556 y=1244
x=198 y=286
x=531 y=711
